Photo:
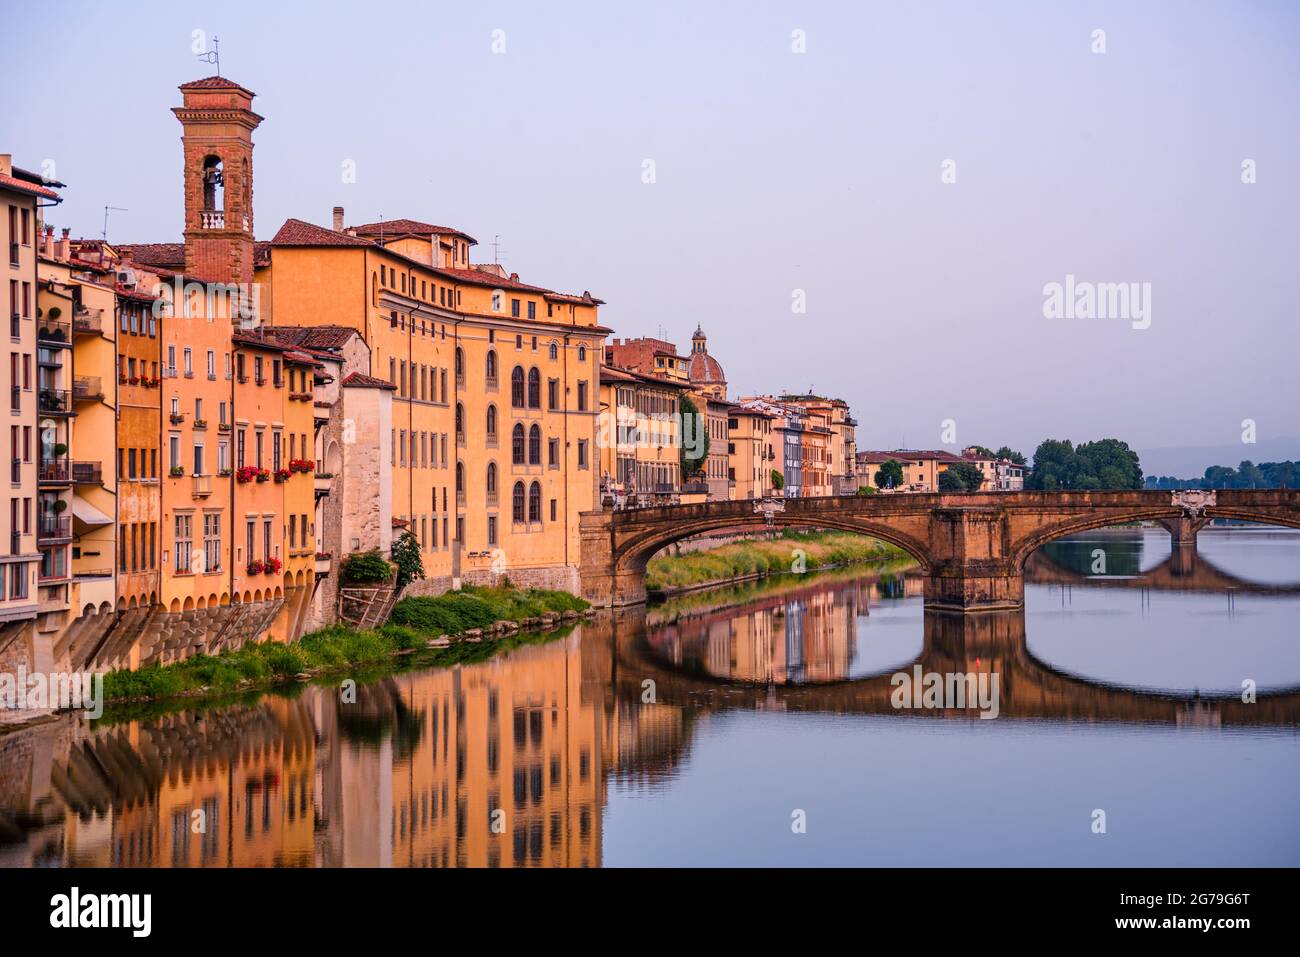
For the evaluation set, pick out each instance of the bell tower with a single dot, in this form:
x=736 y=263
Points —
x=217 y=135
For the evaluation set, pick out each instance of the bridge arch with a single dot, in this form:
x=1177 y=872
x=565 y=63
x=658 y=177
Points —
x=636 y=552
x=1022 y=549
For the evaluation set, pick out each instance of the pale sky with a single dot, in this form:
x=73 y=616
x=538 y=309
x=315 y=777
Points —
x=775 y=171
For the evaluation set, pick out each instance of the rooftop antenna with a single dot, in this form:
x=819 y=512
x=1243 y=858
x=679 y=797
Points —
x=213 y=55
x=116 y=209
x=496 y=250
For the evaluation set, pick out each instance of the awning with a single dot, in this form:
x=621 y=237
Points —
x=87 y=515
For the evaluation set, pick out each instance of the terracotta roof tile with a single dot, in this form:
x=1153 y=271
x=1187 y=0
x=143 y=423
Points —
x=26 y=186
x=312 y=337
x=215 y=83
x=393 y=228
x=154 y=254
x=297 y=232
x=359 y=380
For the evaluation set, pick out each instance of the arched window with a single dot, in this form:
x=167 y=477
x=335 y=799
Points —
x=492 y=480
x=460 y=362
x=517 y=444
x=460 y=421
x=460 y=479
x=490 y=367
x=534 y=388
x=534 y=502
x=492 y=421
x=582 y=353
x=554 y=351
x=535 y=446
x=517 y=502
x=517 y=387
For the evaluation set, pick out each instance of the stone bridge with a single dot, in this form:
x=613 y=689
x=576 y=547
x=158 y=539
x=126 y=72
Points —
x=972 y=548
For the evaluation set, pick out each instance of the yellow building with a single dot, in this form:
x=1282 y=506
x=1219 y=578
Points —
x=492 y=439
x=750 y=455
x=639 y=438
x=22 y=194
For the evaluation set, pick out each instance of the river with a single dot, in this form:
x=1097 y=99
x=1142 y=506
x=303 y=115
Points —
x=757 y=725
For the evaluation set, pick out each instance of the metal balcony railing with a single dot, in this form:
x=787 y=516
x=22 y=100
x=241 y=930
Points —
x=55 y=401
x=86 y=322
x=87 y=473
x=53 y=469
x=54 y=332
x=87 y=388
x=53 y=527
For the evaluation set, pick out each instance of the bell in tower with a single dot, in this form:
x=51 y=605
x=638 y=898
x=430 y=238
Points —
x=217 y=123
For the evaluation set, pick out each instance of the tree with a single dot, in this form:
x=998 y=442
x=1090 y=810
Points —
x=866 y=490
x=983 y=452
x=1011 y=456
x=778 y=480
x=950 y=481
x=693 y=453
x=967 y=476
x=406 y=556
x=890 y=475
x=1104 y=464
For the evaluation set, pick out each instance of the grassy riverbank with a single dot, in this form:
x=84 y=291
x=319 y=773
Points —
x=413 y=624
x=745 y=559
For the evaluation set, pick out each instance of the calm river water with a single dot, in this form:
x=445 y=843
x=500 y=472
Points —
x=748 y=726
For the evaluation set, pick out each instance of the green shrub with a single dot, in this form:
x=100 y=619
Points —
x=365 y=568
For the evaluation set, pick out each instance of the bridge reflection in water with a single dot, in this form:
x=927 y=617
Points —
x=412 y=773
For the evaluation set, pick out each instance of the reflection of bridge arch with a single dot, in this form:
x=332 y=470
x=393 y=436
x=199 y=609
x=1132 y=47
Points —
x=1184 y=570
x=1029 y=688
x=971 y=547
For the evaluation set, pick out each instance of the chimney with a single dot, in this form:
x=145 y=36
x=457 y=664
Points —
x=338 y=219
x=47 y=243
x=6 y=164
x=65 y=246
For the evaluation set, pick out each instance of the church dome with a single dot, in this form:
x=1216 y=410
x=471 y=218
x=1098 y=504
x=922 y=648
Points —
x=702 y=369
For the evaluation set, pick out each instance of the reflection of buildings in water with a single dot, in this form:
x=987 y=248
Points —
x=806 y=634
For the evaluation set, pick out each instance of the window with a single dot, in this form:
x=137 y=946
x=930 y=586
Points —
x=514 y=308
x=517 y=444
x=535 y=502
x=490 y=368
x=492 y=421
x=517 y=387
x=582 y=353
x=184 y=539
x=582 y=453
x=553 y=351
x=534 y=446
x=553 y=453
x=212 y=364
x=532 y=309
x=492 y=529
x=460 y=423
x=534 y=388
x=460 y=364
x=582 y=396
x=517 y=503
x=212 y=542
x=492 y=480
x=552 y=393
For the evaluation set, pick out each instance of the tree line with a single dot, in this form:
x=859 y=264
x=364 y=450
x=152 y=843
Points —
x=1246 y=475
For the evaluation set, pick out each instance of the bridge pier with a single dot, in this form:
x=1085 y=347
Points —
x=970 y=568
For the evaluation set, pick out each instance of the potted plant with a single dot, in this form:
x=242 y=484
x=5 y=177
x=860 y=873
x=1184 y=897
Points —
x=254 y=567
x=246 y=473
x=223 y=473
x=60 y=449
x=177 y=471
x=282 y=475
x=271 y=566
x=60 y=505
x=263 y=475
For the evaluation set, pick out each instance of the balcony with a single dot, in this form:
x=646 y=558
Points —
x=53 y=528
x=55 y=402
x=323 y=482
x=87 y=473
x=88 y=323
x=202 y=486
x=200 y=424
x=324 y=560
x=177 y=418
x=49 y=358
x=321 y=411
x=88 y=388
x=54 y=471
x=54 y=332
